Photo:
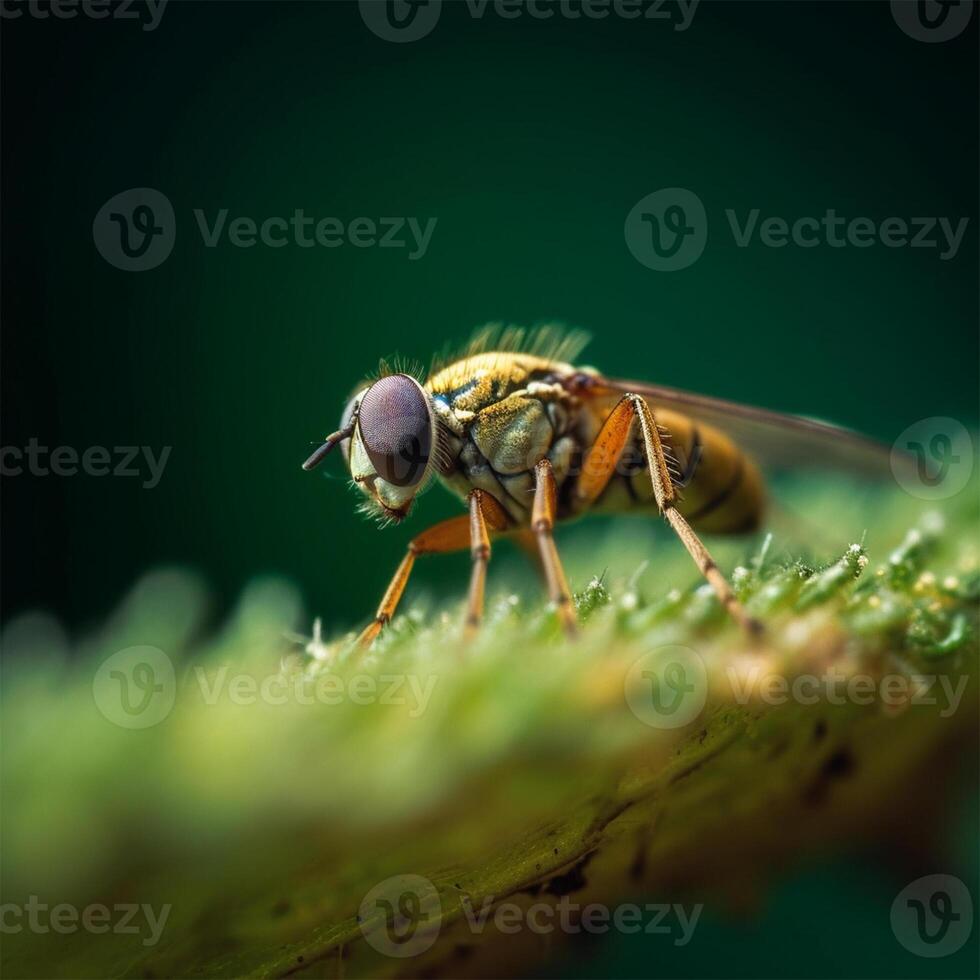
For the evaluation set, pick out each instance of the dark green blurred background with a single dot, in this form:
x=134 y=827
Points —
x=529 y=140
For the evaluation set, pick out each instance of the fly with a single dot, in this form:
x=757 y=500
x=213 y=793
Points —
x=526 y=440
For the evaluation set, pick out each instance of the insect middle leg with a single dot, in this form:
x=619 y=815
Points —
x=454 y=534
x=600 y=465
x=543 y=523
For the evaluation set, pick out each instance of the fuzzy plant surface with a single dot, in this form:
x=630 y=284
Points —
x=275 y=806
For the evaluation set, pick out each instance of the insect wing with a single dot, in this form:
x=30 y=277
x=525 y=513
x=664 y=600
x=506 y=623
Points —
x=775 y=440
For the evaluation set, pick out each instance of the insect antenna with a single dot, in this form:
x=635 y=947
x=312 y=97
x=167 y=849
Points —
x=320 y=454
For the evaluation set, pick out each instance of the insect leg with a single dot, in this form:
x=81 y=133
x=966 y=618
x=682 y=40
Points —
x=451 y=535
x=601 y=463
x=604 y=454
x=480 y=555
x=542 y=523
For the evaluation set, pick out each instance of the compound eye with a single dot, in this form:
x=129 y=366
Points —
x=395 y=424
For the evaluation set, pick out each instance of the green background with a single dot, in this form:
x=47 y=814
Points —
x=529 y=140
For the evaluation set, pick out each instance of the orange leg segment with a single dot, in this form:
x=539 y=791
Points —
x=480 y=556
x=454 y=534
x=600 y=464
x=543 y=523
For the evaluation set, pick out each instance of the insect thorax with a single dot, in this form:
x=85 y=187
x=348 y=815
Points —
x=500 y=414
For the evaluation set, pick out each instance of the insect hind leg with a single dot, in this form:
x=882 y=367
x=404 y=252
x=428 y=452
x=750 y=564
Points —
x=600 y=464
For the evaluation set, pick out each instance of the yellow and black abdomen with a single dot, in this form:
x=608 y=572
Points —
x=720 y=489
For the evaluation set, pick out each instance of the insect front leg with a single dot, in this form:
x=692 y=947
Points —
x=484 y=511
x=600 y=464
x=454 y=534
x=543 y=523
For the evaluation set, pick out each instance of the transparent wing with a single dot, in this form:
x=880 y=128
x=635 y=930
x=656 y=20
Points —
x=774 y=440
